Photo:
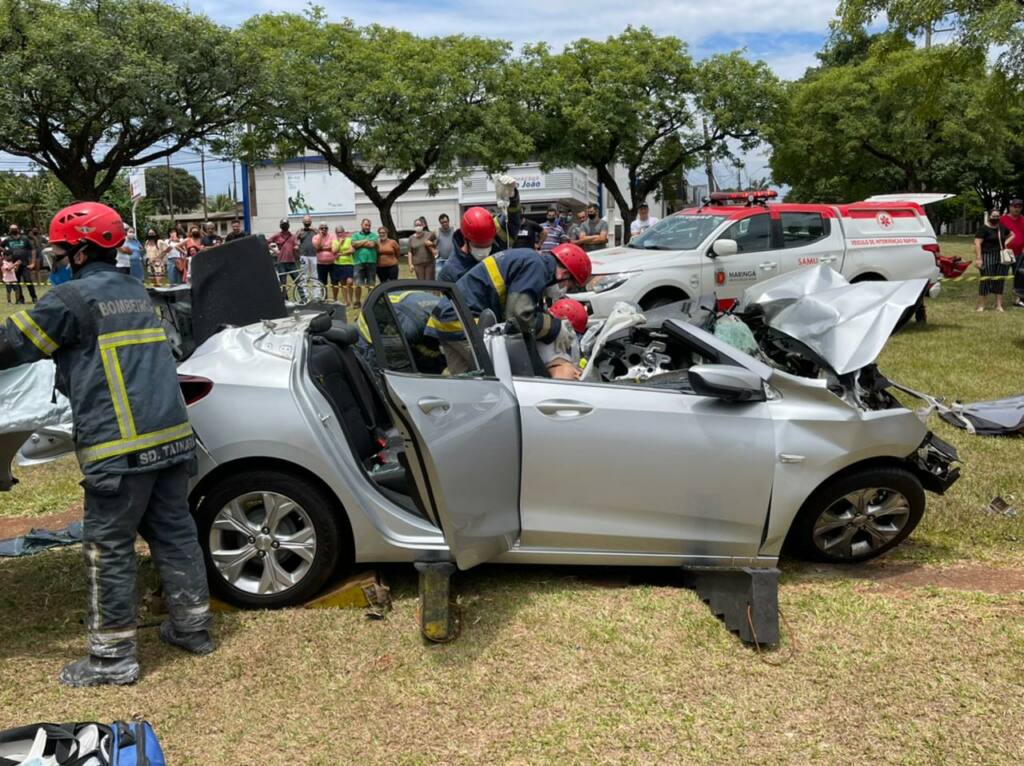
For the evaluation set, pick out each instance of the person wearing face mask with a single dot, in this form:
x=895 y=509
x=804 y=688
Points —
x=154 y=257
x=513 y=284
x=989 y=241
x=554 y=234
x=307 y=248
x=135 y=256
x=422 y=250
x=285 y=243
x=123 y=262
x=564 y=363
x=593 y=231
x=20 y=246
x=474 y=241
x=132 y=437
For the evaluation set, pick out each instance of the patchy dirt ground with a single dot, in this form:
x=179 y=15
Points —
x=13 y=526
x=903 y=576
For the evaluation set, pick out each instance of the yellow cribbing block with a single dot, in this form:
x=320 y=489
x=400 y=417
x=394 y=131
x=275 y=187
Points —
x=357 y=592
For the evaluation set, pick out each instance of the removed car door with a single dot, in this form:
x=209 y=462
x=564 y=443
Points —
x=461 y=432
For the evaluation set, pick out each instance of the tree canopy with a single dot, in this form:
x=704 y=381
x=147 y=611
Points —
x=976 y=23
x=186 y=189
x=640 y=100
x=375 y=101
x=96 y=86
x=897 y=119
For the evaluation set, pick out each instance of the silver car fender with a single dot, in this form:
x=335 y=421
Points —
x=820 y=435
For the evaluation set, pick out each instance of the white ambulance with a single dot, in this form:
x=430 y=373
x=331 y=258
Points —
x=739 y=238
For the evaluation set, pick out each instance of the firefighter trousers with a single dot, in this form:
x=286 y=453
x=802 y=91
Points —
x=117 y=508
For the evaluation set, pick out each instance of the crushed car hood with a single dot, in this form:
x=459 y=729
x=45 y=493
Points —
x=845 y=325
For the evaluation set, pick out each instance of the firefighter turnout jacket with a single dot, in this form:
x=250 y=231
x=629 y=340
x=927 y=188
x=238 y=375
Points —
x=114 y=365
x=412 y=312
x=511 y=285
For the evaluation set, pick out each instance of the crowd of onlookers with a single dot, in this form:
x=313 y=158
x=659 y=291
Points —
x=165 y=260
x=351 y=262
x=346 y=262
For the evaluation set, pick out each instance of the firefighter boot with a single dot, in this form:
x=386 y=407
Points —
x=197 y=642
x=98 y=671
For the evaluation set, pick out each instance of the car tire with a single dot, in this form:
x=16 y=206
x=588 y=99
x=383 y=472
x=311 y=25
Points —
x=267 y=561
x=857 y=516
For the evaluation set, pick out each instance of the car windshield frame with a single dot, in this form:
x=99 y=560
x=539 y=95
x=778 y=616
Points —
x=682 y=231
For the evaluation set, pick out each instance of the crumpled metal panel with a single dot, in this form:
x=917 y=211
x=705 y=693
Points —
x=846 y=325
x=29 y=401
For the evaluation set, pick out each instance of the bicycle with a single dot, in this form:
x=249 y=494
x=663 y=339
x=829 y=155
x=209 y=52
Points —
x=303 y=288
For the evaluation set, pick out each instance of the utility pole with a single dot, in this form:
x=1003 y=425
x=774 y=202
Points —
x=707 y=159
x=202 y=172
x=170 y=189
x=234 y=183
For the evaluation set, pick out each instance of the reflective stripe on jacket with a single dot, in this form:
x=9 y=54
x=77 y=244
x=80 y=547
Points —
x=412 y=310
x=114 y=365
x=510 y=284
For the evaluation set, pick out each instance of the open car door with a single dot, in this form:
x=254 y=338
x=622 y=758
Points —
x=461 y=432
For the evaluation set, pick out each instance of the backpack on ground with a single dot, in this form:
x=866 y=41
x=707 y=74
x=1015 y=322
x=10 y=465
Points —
x=81 y=744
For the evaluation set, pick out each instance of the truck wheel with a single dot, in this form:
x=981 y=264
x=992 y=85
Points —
x=269 y=538
x=661 y=297
x=858 y=516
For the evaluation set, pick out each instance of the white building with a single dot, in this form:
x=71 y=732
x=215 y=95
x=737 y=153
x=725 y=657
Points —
x=274 y=192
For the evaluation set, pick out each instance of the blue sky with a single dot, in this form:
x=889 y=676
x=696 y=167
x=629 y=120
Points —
x=784 y=33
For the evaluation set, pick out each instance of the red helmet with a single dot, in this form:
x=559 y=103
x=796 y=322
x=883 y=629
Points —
x=574 y=312
x=478 y=227
x=88 y=222
x=575 y=260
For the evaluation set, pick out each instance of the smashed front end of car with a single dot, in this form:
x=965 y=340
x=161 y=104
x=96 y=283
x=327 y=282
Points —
x=818 y=335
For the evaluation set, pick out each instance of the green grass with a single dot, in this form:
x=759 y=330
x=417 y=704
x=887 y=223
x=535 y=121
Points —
x=594 y=666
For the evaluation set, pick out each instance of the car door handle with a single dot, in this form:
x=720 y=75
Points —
x=827 y=258
x=564 y=408
x=767 y=265
x=430 y=403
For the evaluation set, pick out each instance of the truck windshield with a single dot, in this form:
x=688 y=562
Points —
x=678 y=232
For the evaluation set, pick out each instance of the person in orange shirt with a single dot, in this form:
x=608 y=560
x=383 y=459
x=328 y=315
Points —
x=387 y=256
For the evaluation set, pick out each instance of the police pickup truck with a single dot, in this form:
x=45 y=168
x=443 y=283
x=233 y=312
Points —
x=738 y=238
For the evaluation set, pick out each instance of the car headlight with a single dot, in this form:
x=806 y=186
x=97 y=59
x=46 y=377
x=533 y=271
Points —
x=604 y=282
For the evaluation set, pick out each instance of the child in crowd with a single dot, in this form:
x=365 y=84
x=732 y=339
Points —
x=10 y=273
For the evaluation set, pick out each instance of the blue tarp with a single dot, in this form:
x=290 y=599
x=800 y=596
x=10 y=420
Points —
x=37 y=540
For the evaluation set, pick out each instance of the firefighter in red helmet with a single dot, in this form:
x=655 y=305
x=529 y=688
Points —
x=132 y=438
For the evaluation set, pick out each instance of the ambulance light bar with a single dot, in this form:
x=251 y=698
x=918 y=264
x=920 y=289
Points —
x=748 y=198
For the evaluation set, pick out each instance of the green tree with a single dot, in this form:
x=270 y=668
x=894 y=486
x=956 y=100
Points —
x=374 y=101
x=902 y=119
x=97 y=86
x=30 y=199
x=976 y=23
x=640 y=101
x=185 y=187
x=221 y=203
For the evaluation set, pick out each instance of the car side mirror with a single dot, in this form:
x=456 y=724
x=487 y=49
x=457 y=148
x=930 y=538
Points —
x=725 y=247
x=727 y=382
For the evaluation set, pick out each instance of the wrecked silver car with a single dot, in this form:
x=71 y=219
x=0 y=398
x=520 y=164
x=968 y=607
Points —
x=311 y=457
x=694 y=438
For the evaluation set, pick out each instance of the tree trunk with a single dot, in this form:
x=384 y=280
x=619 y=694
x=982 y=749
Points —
x=625 y=208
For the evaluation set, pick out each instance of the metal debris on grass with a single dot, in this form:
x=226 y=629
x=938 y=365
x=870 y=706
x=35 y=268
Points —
x=1001 y=507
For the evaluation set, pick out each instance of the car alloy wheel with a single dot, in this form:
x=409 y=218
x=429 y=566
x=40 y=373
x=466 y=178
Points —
x=262 y=543
x=862 y=522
